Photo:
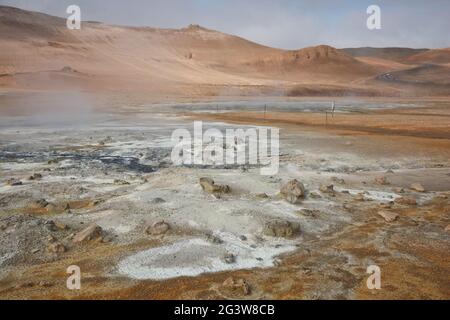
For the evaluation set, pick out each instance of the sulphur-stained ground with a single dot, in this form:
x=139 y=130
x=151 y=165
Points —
x=104 y=195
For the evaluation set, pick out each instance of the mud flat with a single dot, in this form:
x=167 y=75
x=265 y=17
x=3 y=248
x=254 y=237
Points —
x=159 y=229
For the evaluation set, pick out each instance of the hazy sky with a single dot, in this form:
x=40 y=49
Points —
x=288 y=24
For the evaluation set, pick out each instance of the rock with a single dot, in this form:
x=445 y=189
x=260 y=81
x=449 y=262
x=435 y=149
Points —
x=293 y=191
x=338 y=180
x=417 y=187
x=262 y=196
x=309 y=213
x=280 y=228
x=399 y=190
x=50 y=225
x=314 y=195
x=158 y=228
x=121 y=182
x=209 y=186
x=39 y=204
x=158 y=200
x=36 y=250
x=92 y=232
x=36 y=176
x=359 y=197
x=242 y=238
x=327 y=189
x=14 y=182
x=56 y=248
x=239 y=286
x=388 y=216
x=51 y=239
x=408 y=201
x=60 y=225
x=382 y=180
x=229 y=258
x=53 y=161
x=390 y=171
x=213 y=239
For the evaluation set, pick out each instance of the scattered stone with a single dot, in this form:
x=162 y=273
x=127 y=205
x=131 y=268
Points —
x=359 y=197
x=293 y=191
x=14 y=182
x=158 y=228
x=262 y=196
x=345 y=191
x=309 y=213
x=243 y=238
x=229 y=258
x=382 y=180
x=36 y=176
x=338 y=180
x=209 y=186
x=390 y=171
x=314 y=195
x=53 y=161
x=408 y=201
x=92 y=232
x=56 y=248
x=399 y=190
x=239 y=286
x=280 y=228
x=50 y=225
x=388 y=216
x=417 y=187
x=213 y=239
x=35 y=251
x=39 y=204
x=158 y=200
x=386 y=205
x=121 y=182
x=60 y=225
x=327 y=189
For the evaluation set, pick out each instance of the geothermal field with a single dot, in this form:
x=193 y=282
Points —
x=87 y=176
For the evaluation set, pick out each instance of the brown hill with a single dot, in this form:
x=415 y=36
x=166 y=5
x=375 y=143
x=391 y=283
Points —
x=395 y=54
x=431 y=56
x=39 y=52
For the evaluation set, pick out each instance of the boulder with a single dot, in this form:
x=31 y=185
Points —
x=359 y=197
x=388 y=216
x=92 y=232
x=239 y=286
x=208 y=185
x=417 y=187
x=382 y=180
x=229 y=258
x=327 y=189
x=13 y=182
x=56 y=248
x=293 y=191
x=36 y=176
x=407 y=201
x=158 y=228
x=280 y=228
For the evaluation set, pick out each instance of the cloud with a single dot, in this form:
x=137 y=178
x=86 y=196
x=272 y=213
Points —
x=288 y=24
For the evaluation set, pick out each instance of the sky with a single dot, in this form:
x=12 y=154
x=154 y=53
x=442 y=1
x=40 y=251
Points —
x=287 y=24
